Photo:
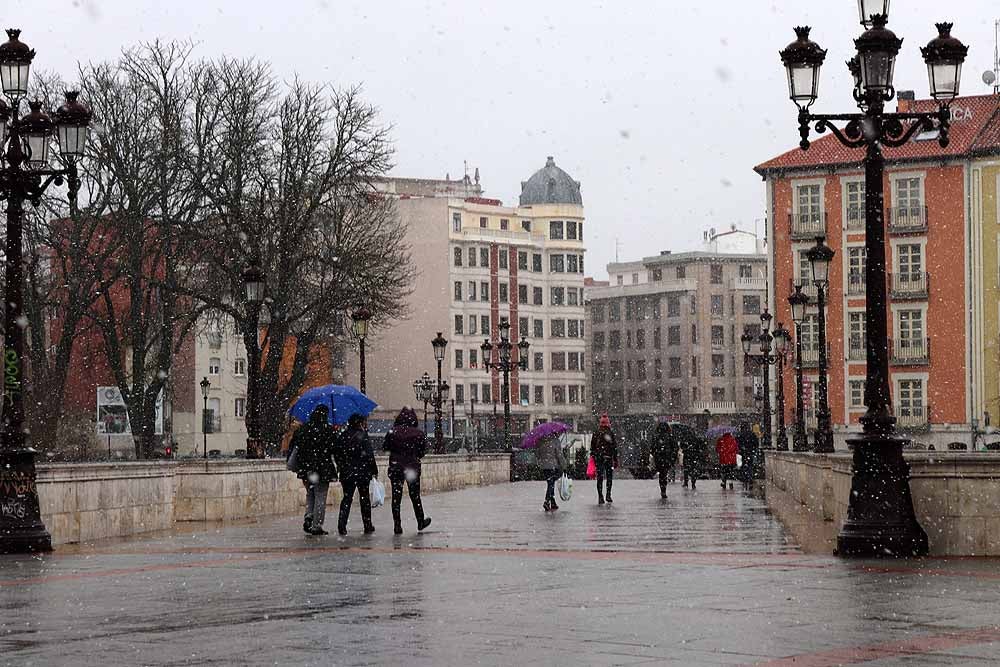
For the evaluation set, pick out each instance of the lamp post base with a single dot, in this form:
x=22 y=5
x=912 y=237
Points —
x=880 y=518
x=21 y=527
x=255 y=448
x=800 y=443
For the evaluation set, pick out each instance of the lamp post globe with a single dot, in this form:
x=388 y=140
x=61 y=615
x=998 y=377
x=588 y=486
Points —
x=439 y=344
x=803 y=60
x=522 y=353
x=360 y=318
x=869 y=8
x=254 y=281
x=820 y=256
x=877 y=50
x=15 y=65
x=781 y=339
x=944 y=56
x=36 y=129
x=798 y=301
x=72 y=121
x=747 y=341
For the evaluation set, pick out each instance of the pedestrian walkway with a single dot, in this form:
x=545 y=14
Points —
x=705 y=577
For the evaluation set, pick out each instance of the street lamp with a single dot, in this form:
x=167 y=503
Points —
x=439 y=344
x=505 y=364
x=24 y=176
x=781 y=340
x=254 y=285
x=820 y=256
x=798 y=302
x=880 y=517
x=205 y=386
x=423 y=388
x=764 y=358
x=359 y=326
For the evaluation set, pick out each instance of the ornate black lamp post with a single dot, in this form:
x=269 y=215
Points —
x=205 y=426
x=505 y=363
x=820 y=256
x=880 y=519
x=439 y=344
x=798 y=302
x=423 y=388
x=764 y=359
x=24 y=176
x=359 y=326
x=781 y=340
x=254 y=284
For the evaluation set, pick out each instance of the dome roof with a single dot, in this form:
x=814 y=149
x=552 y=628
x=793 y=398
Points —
x=550 y=185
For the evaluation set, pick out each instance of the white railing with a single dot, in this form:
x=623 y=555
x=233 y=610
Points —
x=715 y=407
x=750 y=283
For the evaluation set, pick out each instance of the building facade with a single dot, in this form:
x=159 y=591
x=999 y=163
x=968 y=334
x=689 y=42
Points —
x=482 y=263
x=665 y=334
x=942 y=278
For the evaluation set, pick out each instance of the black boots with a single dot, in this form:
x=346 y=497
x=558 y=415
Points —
x=423 y=523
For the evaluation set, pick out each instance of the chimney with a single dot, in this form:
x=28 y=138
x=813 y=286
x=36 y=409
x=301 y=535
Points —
x=905 y=100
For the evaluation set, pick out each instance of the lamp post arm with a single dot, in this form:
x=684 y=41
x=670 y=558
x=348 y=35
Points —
x=890 y=129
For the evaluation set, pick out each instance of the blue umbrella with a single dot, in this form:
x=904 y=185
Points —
x=344 y=401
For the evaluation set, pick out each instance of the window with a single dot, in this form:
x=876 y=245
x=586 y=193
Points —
x=746 y=271
x=556 y=229
x=909 y=261
x=522 y=327
x=628 y=339
x=240 y=367
x=911 y=398
x=572 y=262
x=856 y=336
x=675 y=397
x=635 y=278
x=572 y=297
x=615 y=340
x=573 y=361
x=694 y=394
x=472 y=290
x=640 y=369
x=536 y=262
x=656 y=338
x=854 y=199
x=539 y=395
x=674 y=335
x=504 y=224
x=472 y=257
x=472 y=325
x=674 y=370
x=673 y=305
x=214 y=366
x=716 y=274
x=751 y=304
x=640 y=339
x=809 y=330
x=717 y=308
x=473 y=360
x=558 y=394
x=459 y=354
x=857 y=394
x=694 y=368
x=456 y=222
x=474 y=392
x=502 y=257
x=558 y=296
x=911 y=328
x=615 y=367
x=694 y=334
x=558 y=361
x=718 y=335
x=484 y=324
x=571 y=230
x=557 y=328
x=718 y=394
x=598 y=340
x=458 y=290
x=718 y=365
x=522 y=294
x=458 y=257
x=504 y=292
x=680 y=272
x=240 y=407
x=805 y=269
x=526 y=225
x=459 y=324
x=573 y=328
x=574 y=393
x=539 y=361
x=484 y=257
x=538 y=326
x=484 y=291
x=485 y=390
x=597 y=313
x=657 y=369
x=693 y=299
x=522 y=261
x=809 y=201
x=557 y=264
x=856 y=256
x=459 y=394
x=615 y=311
x=484 y=222
x=657 y=275
x=628 y=370
x=907 y=194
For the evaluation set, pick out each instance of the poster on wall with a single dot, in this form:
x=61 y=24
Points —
x=112 y=416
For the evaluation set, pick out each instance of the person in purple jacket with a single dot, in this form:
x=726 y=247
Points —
x=406 y=445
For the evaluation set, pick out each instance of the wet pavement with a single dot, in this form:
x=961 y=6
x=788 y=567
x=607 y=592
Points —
x=703 y=578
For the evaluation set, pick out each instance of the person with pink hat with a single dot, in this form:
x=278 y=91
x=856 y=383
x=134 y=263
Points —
x=604 y=450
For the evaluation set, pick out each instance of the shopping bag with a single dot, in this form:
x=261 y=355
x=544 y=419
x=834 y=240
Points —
x=377 y=492
x=739 y=460
x=591 y=468
x=565 y=487
x=293 y=460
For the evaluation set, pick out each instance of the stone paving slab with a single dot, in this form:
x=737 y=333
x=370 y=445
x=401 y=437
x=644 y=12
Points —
x=704 y=578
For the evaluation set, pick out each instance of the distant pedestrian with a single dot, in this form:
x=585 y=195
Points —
x=693 y=451
x=749 y=447
x=406 y=445
x=604 y=449
x=552 y=460
x=356 y=461
x=314 y=445
x=665 y=449
x=727 y=448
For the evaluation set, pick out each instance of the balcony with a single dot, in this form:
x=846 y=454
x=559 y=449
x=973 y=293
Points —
x=855 y=219
x=912 y=285
x=856 y=350
x=754 y=284
x=715 y=407
x=908 y=219
x=856 y=285
x=913 y=417
x=808 y=289
x=806 y=225
x=910 y=351
x=810 y=354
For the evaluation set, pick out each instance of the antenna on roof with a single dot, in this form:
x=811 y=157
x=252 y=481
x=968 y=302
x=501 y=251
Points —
x=990 y=77
x=618 y=245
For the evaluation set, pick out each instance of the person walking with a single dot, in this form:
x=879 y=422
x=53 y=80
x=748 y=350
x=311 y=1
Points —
x=664 y=454
x=357 y=467
x=552 y=461
x=693 y=450
x=727 y=449
x=314 y=444
x=749 y=447
x=604 y=449
x=406 y=445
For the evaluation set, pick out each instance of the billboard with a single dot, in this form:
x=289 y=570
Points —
x=112 y=416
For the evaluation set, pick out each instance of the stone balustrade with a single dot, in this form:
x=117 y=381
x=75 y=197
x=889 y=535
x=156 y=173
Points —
x=87 y=502
x=956 y=497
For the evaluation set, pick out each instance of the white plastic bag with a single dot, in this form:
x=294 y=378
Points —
x=739 y=460
x=565 y=487
x=377 y=492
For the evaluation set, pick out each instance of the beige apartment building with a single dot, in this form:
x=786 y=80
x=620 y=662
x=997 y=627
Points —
x=665 y=332
x=480 y=263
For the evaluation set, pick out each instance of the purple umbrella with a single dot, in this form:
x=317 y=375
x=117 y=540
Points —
x=542 y=431
x=717 y=432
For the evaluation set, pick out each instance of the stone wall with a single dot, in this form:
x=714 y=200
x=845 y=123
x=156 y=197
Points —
x=956 y=498
x=87 y=502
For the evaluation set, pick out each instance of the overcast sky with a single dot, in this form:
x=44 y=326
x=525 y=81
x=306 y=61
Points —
x=660 y=109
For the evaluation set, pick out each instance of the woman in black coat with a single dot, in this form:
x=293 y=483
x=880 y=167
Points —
x=406 y=445
x=749 y=451
x=664 y=454
x=314 y=445
x=356 y=461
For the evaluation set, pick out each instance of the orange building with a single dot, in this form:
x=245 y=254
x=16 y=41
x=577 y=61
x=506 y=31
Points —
x=929 y=256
